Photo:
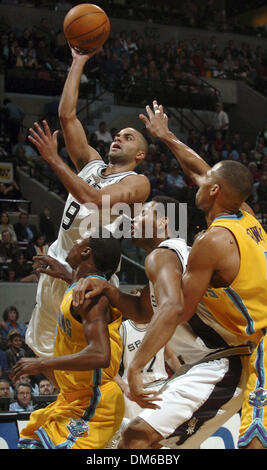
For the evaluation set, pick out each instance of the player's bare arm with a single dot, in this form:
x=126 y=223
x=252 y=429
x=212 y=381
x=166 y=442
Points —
x=74 y=135
x=156 y=123
x=95 y=317
x=208 y=268
x=164 y=270
x=133 y=188
x=136 y=308
x=192 y=164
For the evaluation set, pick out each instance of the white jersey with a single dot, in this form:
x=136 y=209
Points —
x=41 y=331
x=202 y=334
x=132 y=337
x=76 y=219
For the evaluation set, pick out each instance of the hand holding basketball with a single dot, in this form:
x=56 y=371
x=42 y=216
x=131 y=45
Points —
x=86 y=27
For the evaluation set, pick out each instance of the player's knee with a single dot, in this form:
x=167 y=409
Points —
x=135 y=436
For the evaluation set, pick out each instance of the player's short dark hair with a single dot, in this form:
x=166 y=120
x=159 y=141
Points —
x=165 y=201
x=237 y=177
x=143 y=143
x=106 y=252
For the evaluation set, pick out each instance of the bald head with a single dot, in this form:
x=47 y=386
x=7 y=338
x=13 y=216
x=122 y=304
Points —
x=235 y=177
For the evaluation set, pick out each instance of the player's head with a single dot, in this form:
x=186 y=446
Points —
x=100 y=252
x=128 y=148
x=158 y=218
x=228 y=183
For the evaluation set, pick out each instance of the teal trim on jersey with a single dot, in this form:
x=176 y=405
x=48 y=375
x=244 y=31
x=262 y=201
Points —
x=255 y=430
x=88 y=277
x=89 y=413
x=237 y=216
x=259 y=366
x=238 y=303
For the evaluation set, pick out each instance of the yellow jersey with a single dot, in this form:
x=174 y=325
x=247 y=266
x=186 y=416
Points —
x=241 y=307
x=70 y=339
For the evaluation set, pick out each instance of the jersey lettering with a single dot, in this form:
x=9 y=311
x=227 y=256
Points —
x=70 y=215
x=255 y=233
x=133 y=346
x=64 y=324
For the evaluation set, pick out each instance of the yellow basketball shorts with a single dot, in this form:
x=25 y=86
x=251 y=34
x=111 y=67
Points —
x=69 y=423
x=254 y=409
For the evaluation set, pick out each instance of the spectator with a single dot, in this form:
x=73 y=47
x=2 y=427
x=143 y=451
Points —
x=29 y=151
x=8 y=252
x=257 y=154
x=4 y=388
x=261 y=189
x=15 y=351
x=46 y=226
x=220 y=120
x=3 y=364
x=23 y=397
x=229 y=150
x=25 y=232
x=13 y=120
x=175 y=181
x=45 y=387
x=6 y=226
x=11 y=324
x=103 y=134
x=5 y=393
x=263 y=134
x=38 y=247
x=21 y=270
x=12 y=191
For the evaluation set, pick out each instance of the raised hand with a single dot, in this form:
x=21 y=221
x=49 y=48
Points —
x=44 y=141
x=157 y=121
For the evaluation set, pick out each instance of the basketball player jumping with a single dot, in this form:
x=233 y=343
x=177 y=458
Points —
x=95 y=179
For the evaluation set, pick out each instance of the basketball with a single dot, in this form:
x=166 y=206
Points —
x=86 y=27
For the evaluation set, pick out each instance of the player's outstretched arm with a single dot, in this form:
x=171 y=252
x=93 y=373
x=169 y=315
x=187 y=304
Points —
x=133 y=188
x=74 y=135
x=156 y=123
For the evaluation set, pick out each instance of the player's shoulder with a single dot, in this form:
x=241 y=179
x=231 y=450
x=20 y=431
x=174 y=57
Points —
x=212 y=244
x=137 y=178
x=160 y=257
x=92 y=165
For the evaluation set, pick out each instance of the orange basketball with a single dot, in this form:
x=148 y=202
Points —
x=86 y=27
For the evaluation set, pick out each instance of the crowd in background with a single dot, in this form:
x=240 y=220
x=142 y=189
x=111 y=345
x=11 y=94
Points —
x=20 y=394
x=38 y=58
x=208 y=14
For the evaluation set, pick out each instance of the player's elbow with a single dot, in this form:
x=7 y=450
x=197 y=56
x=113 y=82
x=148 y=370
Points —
x=176 y=311
x=103 y=359
x=66 y=116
